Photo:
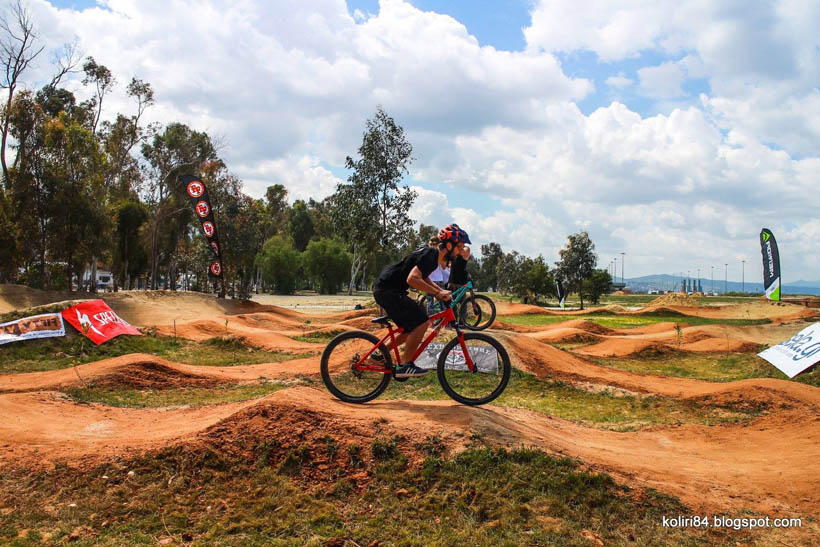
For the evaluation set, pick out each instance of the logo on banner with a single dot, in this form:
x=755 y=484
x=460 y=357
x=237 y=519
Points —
x=202 y=208
x=38 y=326
x=195 y=189
x=215 y=248
x=208 y=228
x=97 y=321
x=216 y=269
x=797 y=353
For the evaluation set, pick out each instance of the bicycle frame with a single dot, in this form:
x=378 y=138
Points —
x=447 y=316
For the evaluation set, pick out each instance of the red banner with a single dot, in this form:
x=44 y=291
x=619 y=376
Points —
x=98 y=321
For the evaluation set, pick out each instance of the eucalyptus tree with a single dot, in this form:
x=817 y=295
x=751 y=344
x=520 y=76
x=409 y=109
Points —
x=371 y=209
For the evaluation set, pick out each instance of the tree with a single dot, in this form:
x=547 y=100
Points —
x=491 y=254
x=300 y=225
x=123 y=177
x=17 y=51
x=597 y=284
x=537 y=278
x=176 y=150
x=130 y=216
x=80 y=222
x=511 y=274
x=578 y=260
x=327 y=262
x=372 y=209
x=103 y=81
x=276 y=209
x=279 y=263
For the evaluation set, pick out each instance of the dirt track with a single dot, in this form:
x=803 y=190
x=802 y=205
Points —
x=760 y=465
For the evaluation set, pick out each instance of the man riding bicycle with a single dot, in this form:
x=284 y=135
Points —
x=390 y=292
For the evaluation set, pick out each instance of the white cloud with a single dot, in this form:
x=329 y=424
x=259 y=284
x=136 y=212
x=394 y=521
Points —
x=289 y=90
x=619 y=81
x=663 y=81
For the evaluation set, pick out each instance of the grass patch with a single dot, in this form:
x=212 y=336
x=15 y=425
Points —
x=186 y=396
x=605 y=409
x=625 y=321
x=319 y=337
x=716 y=368
x=58 y=353
x=481 y=497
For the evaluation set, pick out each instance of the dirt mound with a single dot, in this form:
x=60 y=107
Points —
x=622 y=347
x=729 y=467
x=259 y=338
x=344 y=316
x=565 y=335
x=510 y=308
x=654 y=328
x=362 y=323
x=149 y=375
x=675 y=299
x=721 y=345
x=100 y=372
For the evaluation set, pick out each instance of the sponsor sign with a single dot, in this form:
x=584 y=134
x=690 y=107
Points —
x=485 y=358
x=97 y=321
x=797 y=353
x=771 y=264
x=46 y=325
x=198 y=196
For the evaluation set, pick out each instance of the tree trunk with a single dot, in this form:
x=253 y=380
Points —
x=93 y=283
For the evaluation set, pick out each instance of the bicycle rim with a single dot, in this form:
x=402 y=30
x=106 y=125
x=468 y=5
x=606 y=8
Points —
x=485 y=383
x=339 y=375
x=478 y=312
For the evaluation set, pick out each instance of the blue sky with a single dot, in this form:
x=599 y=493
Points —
x=671 y=131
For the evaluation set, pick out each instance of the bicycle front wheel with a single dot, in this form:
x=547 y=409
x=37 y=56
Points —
x=340 y=375
x=477 y=312
x=491 y=374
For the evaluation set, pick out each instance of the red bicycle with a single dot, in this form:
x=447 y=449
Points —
x=473 y=368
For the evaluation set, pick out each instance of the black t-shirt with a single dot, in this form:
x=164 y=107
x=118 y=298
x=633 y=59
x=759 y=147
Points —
x=458 y=272
x=394 y=276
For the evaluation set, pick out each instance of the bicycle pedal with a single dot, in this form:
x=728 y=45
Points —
x=393 y=374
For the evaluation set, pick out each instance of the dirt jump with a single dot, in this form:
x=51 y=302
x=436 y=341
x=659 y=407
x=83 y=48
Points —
x=759 y=465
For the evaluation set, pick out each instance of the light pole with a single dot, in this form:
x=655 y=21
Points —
x=712 y=290
x=615 y=277
x=726 y=278
x=743 y=277
x=698 y=283
x=622 y=269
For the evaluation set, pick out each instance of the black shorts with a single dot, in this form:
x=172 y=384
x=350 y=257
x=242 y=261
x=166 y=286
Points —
x=400 y=308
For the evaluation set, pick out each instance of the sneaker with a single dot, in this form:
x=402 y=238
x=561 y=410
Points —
x=410 y=370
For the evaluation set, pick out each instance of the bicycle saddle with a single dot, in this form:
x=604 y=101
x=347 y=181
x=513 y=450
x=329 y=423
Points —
x=383 y=320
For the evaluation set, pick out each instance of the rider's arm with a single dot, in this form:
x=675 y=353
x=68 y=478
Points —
x=416 y=281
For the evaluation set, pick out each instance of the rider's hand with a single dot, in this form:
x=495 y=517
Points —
x=443 y=295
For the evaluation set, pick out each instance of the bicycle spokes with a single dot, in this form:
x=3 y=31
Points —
x=474 y=368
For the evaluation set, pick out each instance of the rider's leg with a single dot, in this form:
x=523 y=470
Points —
x=399 y=341
x=413 y=340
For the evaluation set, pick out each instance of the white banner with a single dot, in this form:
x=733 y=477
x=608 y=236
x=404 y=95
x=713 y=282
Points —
x=485 y=358
x=797 y=353
x=37 y=326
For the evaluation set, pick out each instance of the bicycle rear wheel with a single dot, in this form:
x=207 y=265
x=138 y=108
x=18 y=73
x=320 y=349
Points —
x=488 y=380
x=341 y=377
x=477 y=312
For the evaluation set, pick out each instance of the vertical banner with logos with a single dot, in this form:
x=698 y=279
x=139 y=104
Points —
x=560 y=292
x=198 y=194
x=771 y=264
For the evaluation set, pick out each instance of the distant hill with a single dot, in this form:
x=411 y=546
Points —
x=666 y=282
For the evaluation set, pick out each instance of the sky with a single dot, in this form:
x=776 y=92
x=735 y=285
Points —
x=671 y=131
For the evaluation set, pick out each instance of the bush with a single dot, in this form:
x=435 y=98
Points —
x=279 y=263
x=328 y=264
